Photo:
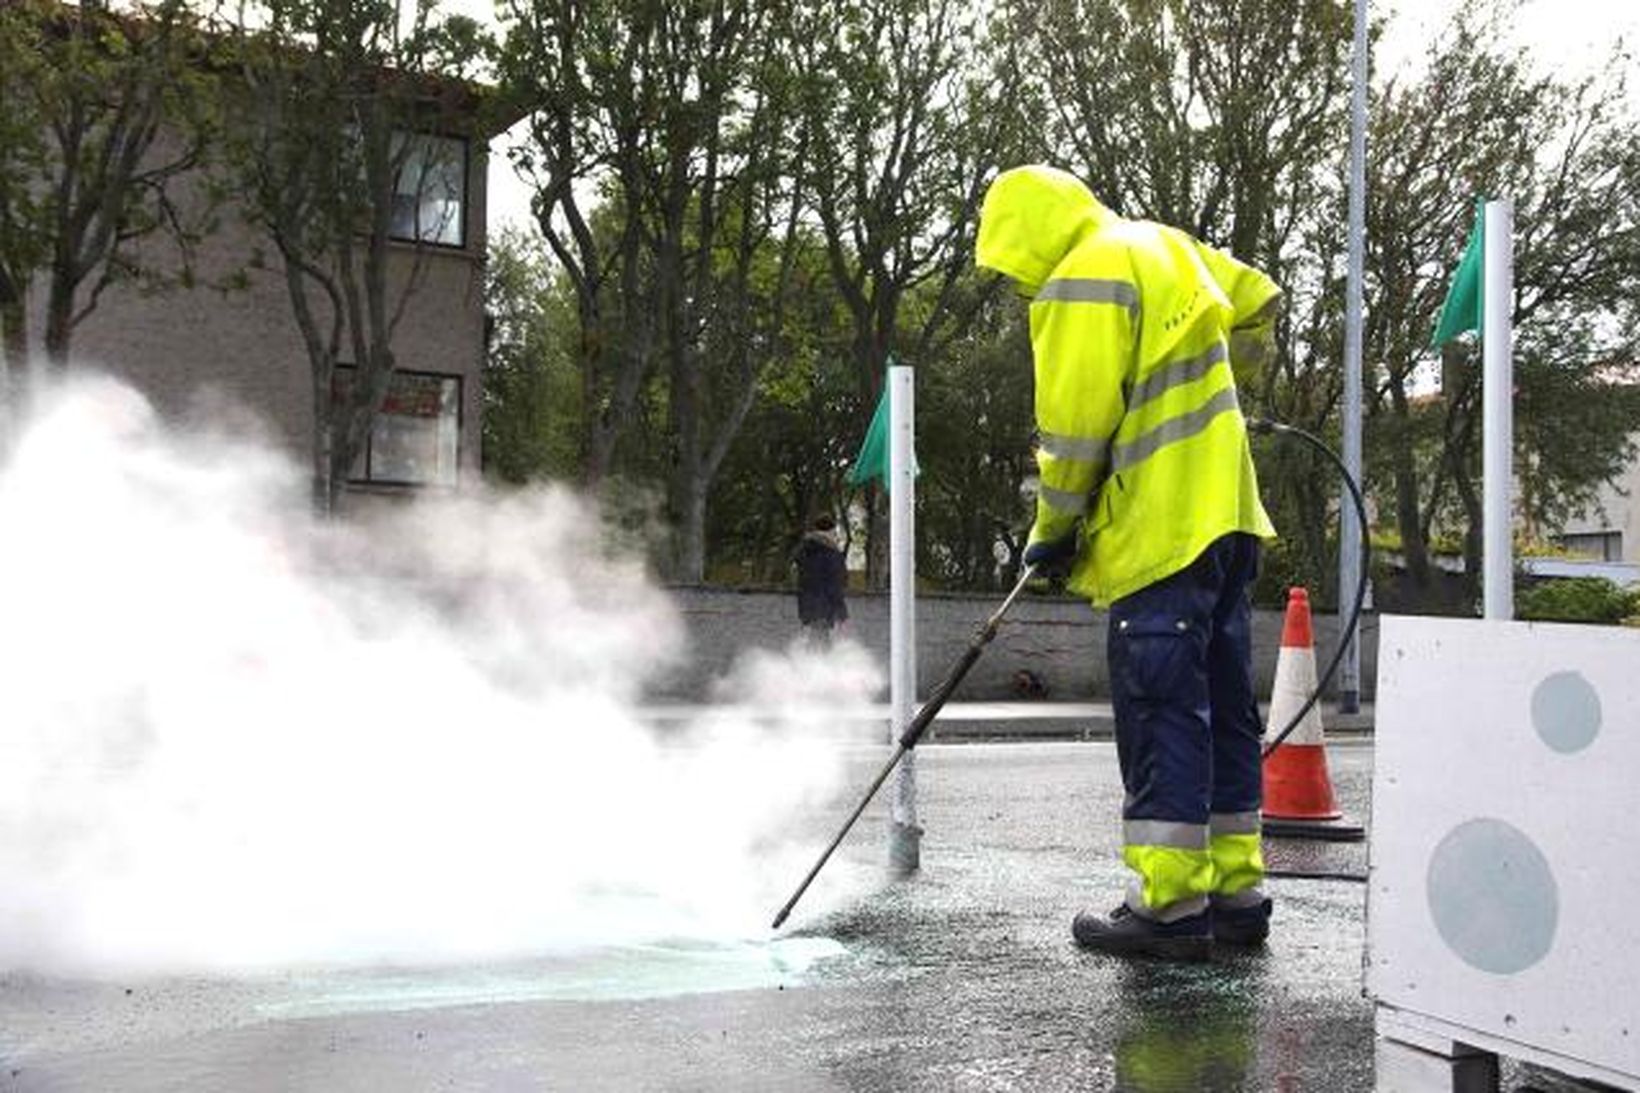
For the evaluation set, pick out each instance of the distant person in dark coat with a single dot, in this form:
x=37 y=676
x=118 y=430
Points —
x=821 y=575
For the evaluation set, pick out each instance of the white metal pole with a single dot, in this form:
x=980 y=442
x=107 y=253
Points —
x=1349 y=536
x=1498 y=418
x=904 y=849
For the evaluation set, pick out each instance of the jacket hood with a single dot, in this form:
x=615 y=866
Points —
x=1031 y=219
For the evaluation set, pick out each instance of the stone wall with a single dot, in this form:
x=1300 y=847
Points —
x=1061 y=640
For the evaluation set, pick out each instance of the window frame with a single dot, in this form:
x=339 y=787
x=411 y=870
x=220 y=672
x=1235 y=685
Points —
x=466 y=194
x=370 y=436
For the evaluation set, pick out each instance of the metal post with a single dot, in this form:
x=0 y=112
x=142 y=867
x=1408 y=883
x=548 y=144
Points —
x=1349 y=537
x=1497 y=417
x=904 y=849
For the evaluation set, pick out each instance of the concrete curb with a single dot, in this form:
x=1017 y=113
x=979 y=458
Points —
x=1088 y=721
x=963 y=722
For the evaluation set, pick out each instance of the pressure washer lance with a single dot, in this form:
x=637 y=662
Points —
x=913 y=733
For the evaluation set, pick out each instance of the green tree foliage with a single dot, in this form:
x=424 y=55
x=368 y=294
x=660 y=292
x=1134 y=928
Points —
x=571 y=66
x=1580 y=599
x=1212 y=117
x=1230 y=121
x=685 y=115
x=337 y=104
x=101 y=113
x=1479 y=121
x=974 y=444
x=790 y=463
x=532 y=408
x=892 y=116
x=918 y=110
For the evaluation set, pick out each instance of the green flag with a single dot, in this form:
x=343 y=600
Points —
x=872 y=462
x=1461 y=312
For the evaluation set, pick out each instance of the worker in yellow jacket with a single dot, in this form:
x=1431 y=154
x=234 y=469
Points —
x=1147 y=494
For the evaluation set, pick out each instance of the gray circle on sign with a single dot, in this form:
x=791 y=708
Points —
x=1493 y=897
x=1566 y=712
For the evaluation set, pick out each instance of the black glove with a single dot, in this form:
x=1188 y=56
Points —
x=1052 y=556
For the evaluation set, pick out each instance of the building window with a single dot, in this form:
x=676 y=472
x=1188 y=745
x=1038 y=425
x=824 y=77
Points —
x=430 y=200
x=1602 y=546
x=415 y=437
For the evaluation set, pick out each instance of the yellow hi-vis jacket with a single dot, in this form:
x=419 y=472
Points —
x=1133 y=325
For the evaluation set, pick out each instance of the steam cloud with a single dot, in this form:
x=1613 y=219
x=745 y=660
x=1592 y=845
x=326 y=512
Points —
x=233 y=737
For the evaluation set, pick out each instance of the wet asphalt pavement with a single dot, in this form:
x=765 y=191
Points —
x=963 y=978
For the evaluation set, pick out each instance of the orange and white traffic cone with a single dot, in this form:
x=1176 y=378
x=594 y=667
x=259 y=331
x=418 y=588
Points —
x=1298 y=793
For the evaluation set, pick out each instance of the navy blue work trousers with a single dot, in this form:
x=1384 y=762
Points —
x=1187 y=721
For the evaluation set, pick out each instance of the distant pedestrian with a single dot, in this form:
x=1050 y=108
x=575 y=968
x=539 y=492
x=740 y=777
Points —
x=821 y=575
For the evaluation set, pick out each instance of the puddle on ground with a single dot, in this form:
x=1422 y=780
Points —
x=659 y=970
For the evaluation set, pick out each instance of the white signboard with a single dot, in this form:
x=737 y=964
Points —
x=1505 y=895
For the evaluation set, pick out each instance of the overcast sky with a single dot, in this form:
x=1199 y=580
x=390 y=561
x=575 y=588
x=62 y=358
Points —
x=1570 y=35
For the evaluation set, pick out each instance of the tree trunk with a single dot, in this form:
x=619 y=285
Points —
x=877 y=535
x=689 y=551
x=636 y=322
x=688 y=491
x=1408 y=513
x=13 y=366
x=13 y=336
x=594 y=459
x=59 y=322
x=324 y=493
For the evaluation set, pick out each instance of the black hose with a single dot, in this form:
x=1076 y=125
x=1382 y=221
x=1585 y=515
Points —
x=1266 y=427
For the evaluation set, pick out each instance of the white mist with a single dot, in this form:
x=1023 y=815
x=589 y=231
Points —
x=234 y=738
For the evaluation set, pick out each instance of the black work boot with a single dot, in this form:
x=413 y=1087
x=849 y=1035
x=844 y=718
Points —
x=1127 y=934
x=1248 y=925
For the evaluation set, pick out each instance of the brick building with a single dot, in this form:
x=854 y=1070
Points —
x=210 y=350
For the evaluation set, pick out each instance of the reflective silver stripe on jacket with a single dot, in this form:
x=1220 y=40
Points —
x=1234 y=823
x=1176 y=374
x=1093 y=290
x=1085 y=449
x=1164 y=833
x=1183 y=427
x=1064 y=500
